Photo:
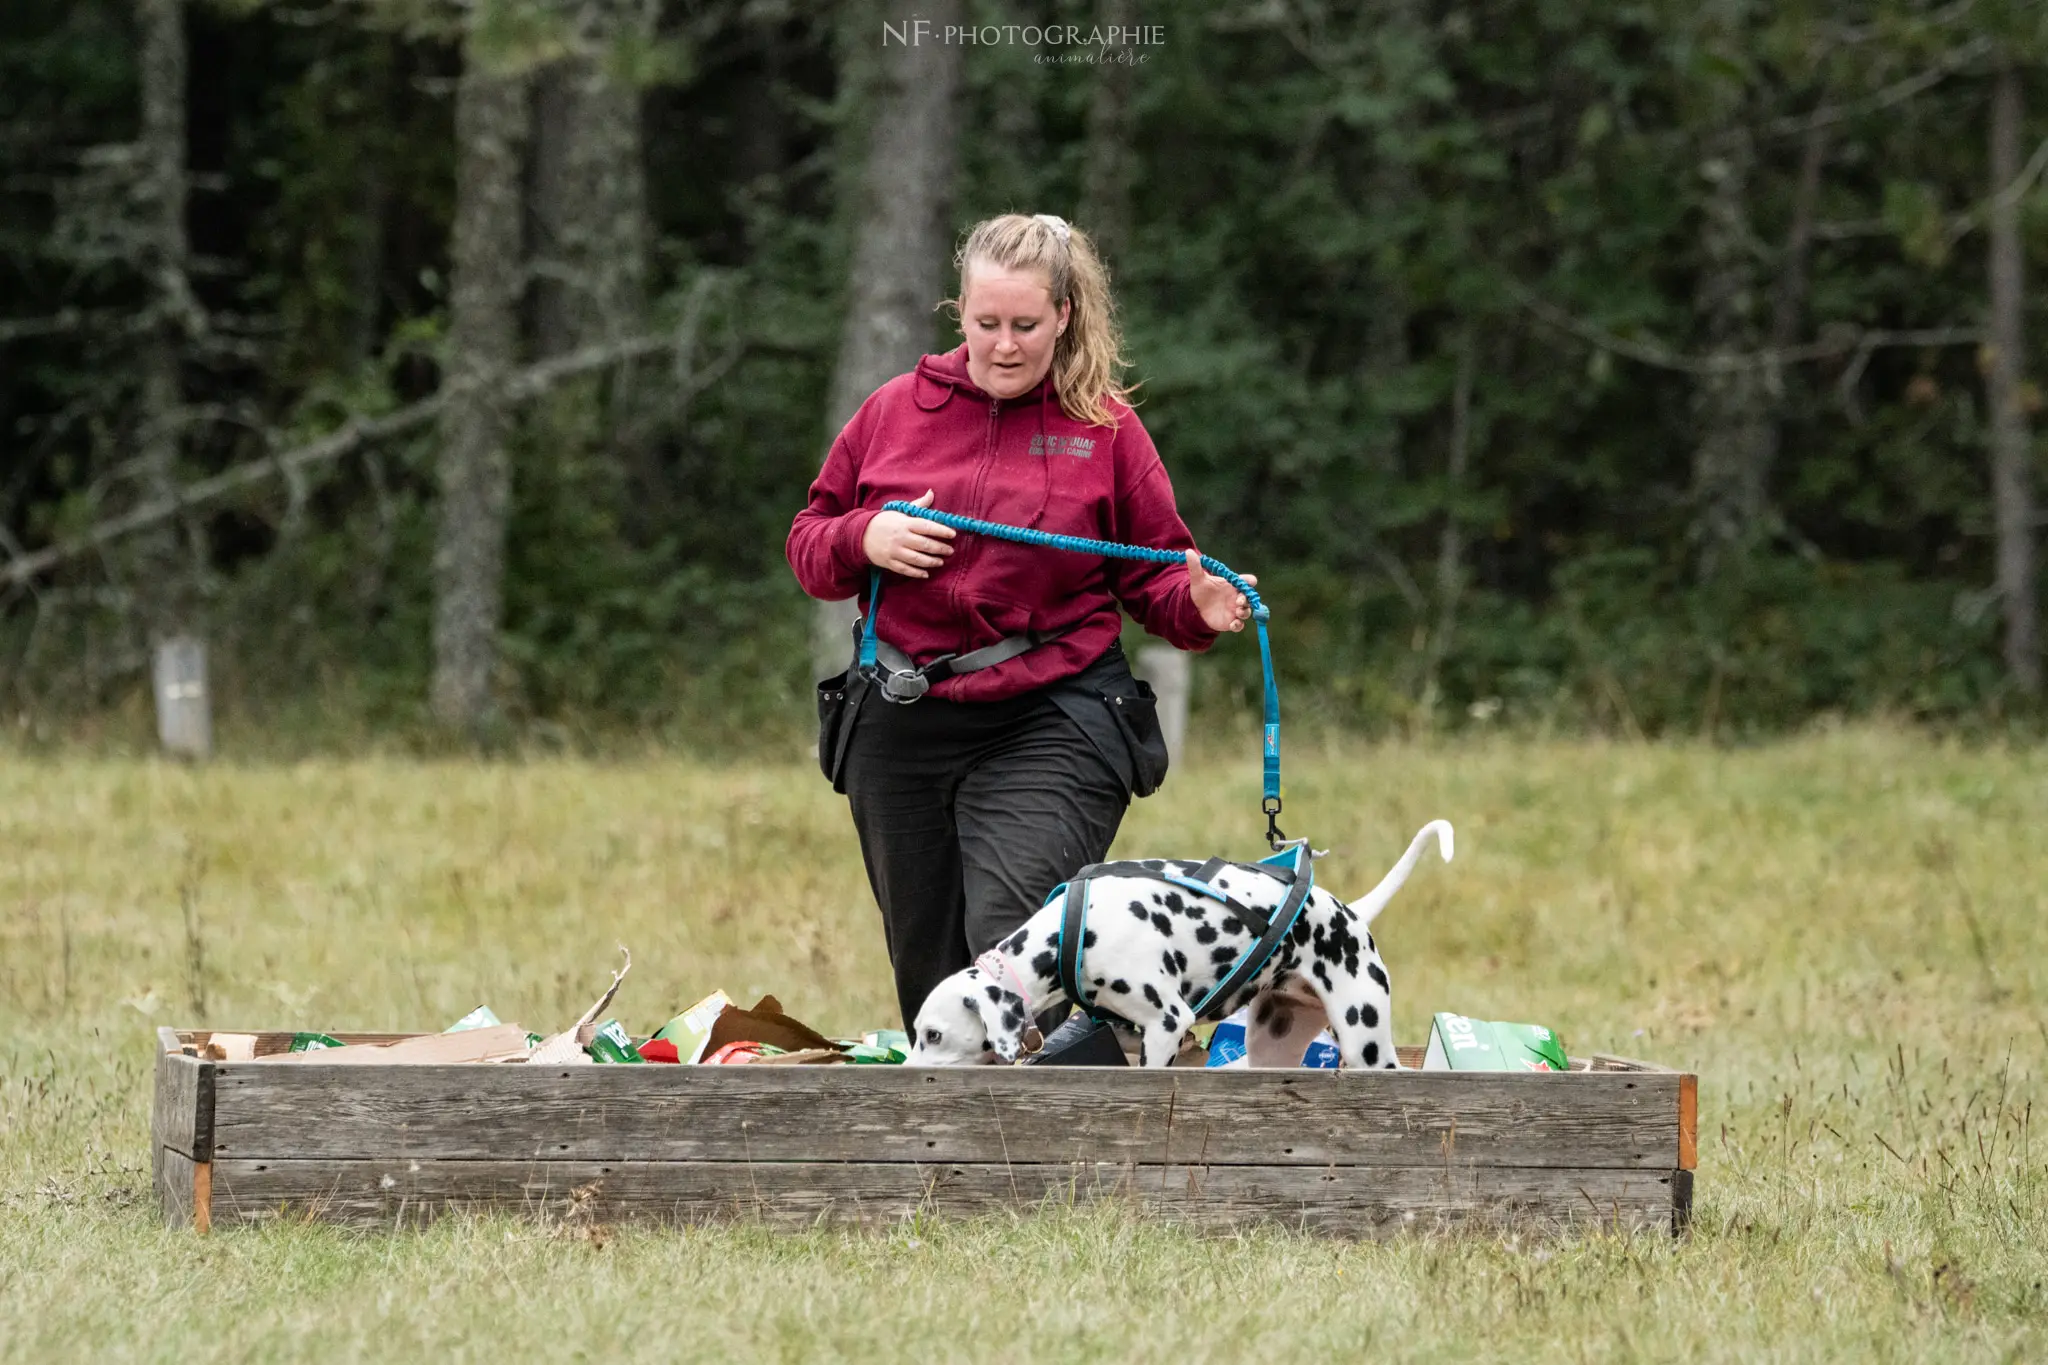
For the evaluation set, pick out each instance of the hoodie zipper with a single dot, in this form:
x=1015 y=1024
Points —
x=981 y=476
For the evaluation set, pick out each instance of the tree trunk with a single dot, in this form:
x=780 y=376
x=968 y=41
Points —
x=590 y=187
x=903 y=232
x=1731 y=408
x=166 y=586
x=168 y=577
x=1105 y=186
x=2011 y=437
x=1450 y=551
x=474 y=466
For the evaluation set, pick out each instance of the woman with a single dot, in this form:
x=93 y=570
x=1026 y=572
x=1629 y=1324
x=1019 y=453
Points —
x=1013 y=768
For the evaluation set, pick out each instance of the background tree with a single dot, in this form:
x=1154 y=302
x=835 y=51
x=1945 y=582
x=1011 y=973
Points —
x=902 y=232
x=2008 y=393
x=474 y=466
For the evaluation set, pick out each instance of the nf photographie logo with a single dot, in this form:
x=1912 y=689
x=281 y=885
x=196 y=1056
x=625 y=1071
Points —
x=914 y=32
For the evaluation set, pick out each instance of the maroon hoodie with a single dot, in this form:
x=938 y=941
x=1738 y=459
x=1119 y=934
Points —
x=1021 y=461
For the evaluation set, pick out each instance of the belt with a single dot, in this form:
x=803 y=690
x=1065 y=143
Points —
x=901 y=680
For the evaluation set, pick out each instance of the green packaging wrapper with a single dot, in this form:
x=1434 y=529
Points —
x=883 y=1047
x=480 y=1017
x=1457 y=1043
x=313 y=1042
x=612 y=1044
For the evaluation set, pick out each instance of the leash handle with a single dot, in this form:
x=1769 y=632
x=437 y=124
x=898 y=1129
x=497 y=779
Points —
x=1269 y=804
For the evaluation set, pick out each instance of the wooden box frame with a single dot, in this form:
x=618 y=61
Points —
x=1610 y=1144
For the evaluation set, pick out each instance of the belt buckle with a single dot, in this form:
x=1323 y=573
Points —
x=903 y=688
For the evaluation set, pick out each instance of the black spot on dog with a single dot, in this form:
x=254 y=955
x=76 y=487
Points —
x=1088 y=939
x=1180 y=961
x=1369 y=1016
x=995 y=994
x=1120 y=986
x=1205 y=934
x=1322 y=974
x=1098 y=982
x=1351 y=1016
x=1046 y=963
x=1013 y=1018
x=1372 y=1054
x=1166 y=962
x=1172 y=901
x=1232 y=925
x=1300 y=934
x=1223 y=956
x=1139 y=912
x=1162 y=923
x=1372 y=969
x=1152 y=997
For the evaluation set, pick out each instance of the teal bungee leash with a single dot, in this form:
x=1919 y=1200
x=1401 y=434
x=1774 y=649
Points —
x=1269 y=805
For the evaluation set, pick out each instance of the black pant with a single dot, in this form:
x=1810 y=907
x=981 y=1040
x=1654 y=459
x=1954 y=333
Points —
x=969 y=813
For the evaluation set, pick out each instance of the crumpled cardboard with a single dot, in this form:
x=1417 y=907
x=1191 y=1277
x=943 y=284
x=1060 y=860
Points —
x=503 y=1043
x=765 y=1023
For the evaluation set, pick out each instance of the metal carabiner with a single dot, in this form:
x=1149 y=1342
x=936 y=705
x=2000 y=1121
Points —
x=903 y=688
x=1276 y=837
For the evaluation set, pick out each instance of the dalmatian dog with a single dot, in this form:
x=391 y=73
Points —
x=1153 y=951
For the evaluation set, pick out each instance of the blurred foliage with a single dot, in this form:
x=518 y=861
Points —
x=1328 y=202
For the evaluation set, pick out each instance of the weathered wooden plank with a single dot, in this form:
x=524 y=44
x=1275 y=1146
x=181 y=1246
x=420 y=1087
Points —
x=1350 y=1201
x=971 y=1114
x=184 y=1190
x=181 y=1111
x=1681 y=1203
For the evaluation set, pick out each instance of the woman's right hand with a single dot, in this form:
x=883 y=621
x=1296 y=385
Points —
x=907 y=545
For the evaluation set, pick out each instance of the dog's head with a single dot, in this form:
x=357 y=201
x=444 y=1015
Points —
x=969 y=1020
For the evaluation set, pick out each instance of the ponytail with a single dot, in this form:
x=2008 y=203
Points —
x=1087 y=360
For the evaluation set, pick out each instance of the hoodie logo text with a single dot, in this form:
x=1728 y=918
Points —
x=1080 y=447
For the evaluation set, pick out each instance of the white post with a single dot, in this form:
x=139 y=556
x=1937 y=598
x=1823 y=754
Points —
x=184 y=710
x=1166 y=668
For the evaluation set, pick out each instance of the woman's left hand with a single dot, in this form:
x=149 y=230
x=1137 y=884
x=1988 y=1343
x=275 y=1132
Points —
x=1222 y=606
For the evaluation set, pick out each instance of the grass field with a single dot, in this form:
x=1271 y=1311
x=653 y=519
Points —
x=1843 y=934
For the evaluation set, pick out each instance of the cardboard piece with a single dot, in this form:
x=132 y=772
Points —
x=1457 y=1043
x=764 y=1023
x=229 y=1047
x=505 y=1042
x=566 y=1047
x=682 y=1038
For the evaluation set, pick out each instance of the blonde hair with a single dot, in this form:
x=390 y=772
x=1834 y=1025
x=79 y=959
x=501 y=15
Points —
x=1087 y=359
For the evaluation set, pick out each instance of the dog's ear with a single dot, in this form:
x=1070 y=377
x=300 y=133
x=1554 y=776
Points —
x=1005 y=1038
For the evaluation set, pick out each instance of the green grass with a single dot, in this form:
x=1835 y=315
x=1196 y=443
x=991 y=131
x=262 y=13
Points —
x=1843 y=934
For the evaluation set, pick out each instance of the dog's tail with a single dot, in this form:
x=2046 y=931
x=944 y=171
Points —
x=1376 y=900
